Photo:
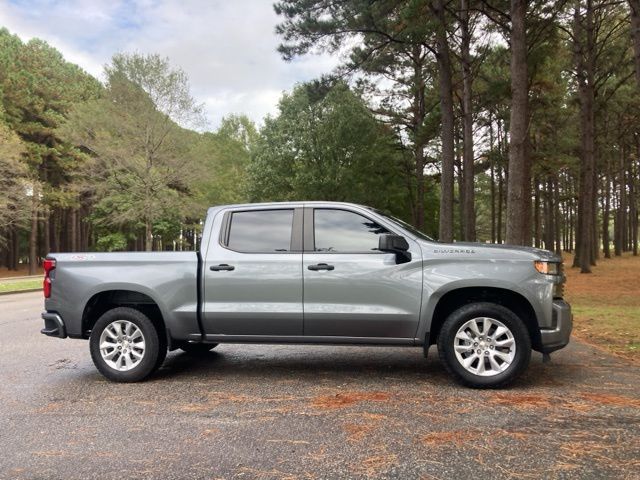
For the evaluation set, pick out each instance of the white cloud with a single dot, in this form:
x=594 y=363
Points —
x=227 y=48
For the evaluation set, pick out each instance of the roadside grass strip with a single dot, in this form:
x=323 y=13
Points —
x=20 y=285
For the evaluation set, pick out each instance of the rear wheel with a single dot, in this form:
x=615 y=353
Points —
x=197 y=348
x=484 y=345
x=125 y=346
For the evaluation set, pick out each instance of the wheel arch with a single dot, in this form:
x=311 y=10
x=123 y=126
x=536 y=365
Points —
x=105 y=300
x=508 y=298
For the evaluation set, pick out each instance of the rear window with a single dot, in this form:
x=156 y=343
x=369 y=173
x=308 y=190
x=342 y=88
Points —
x=261 y=231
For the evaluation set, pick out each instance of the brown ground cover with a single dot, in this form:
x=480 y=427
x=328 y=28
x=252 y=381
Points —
x=606 y=304
x=22 y=271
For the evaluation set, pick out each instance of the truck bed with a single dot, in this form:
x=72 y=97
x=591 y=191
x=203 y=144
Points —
x=168 y=278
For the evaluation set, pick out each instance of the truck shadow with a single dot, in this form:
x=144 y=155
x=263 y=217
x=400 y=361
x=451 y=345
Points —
x=274 y=362
x=314 y=363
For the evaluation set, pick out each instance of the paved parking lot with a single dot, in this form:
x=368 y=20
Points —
x=285 y=412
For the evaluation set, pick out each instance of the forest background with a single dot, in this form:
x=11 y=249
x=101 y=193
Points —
x=494 y=121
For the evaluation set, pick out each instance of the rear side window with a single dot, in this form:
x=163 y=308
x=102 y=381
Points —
x=261 y=231
x=343 y=231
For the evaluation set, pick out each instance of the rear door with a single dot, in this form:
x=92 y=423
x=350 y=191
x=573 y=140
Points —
x=351 y=289
x=253 y=273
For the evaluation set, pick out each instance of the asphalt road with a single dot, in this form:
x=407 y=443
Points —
x=286 y=412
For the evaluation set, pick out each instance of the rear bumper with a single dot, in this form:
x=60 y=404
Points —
x=558 y=335
x=53 y=325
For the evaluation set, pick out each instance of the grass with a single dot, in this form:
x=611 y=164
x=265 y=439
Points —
x=606 y=304
x=19 y=285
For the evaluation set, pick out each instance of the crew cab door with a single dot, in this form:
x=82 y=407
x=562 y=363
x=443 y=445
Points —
x=253 y=273
x=351 y=289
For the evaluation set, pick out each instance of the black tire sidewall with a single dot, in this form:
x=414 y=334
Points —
x=149 y=362
x=485 y=309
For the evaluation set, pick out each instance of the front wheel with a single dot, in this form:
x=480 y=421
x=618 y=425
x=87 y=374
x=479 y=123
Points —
x=124 y=345
x=484 y=345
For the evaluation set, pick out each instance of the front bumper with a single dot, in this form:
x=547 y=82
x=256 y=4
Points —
x=53 y=325
x=558 y=335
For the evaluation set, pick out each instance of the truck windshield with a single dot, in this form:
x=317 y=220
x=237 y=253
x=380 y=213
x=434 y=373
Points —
x=404 y=225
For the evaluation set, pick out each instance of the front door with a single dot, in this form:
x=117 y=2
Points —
x=351 y=289
x=253 y=274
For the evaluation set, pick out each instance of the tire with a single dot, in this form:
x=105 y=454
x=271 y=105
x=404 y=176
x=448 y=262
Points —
x=134 y=348
x=197 y=348
x=494 y=360
x=162 y=353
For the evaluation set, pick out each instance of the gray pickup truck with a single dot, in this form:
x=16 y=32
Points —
x=312 y=273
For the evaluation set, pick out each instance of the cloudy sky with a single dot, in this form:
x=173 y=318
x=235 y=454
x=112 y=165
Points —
x=227 y=48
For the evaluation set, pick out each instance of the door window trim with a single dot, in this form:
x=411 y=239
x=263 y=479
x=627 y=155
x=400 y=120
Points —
x=309 y=241
x=295 y=243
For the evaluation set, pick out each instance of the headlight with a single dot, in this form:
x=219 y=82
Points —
x=548 y=268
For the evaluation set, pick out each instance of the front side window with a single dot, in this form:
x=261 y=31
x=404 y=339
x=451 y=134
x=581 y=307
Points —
x=343 y=231
x=261 y=231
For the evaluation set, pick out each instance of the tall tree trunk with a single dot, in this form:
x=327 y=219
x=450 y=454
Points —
x=606 y=209
x=468 y=205
x=418 y=114
x=635 y=173
x=447 y=133
x=46 y=248
x=33 y=234
x=493 y=182
x=54 y=231
x=148 y=236
x=573 y=227
x=536 y=216
x=460 y=178
x=15 y=249
x=499 y=227
x=4 y=257
x=419 y=208
x=556 y=215
x=73 y=235
x=635 y=35
x=623 y=202
x=549 y=227
x=617 y=230
x=501 y=172
x=519 y=178
x=85 y=227
x=585 y=53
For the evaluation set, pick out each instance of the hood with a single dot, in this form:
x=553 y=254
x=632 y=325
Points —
x=492 y=250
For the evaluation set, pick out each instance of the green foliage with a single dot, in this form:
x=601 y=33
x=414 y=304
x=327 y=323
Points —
x=111 y=242
x=224 y=156
x=13 y=179
x=39 y=89
x=326 y=145
x=129 y=158
x=142 y=156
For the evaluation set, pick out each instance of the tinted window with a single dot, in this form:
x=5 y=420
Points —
x=342 y=231
x=261 y=231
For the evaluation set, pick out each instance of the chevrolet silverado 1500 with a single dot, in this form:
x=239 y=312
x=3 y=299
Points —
x=312 y=273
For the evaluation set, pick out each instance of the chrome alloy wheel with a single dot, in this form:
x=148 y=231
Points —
x=484 y=346
x=122 y=345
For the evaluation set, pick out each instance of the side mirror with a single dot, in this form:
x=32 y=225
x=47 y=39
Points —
x=389 y=242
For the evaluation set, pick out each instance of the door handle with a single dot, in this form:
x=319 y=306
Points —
x=321 y=266
x=221 y=267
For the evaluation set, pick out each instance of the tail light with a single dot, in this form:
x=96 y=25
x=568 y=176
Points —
x=49 y=265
